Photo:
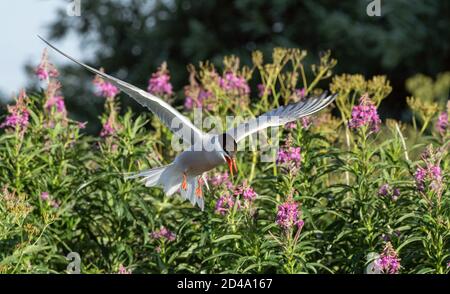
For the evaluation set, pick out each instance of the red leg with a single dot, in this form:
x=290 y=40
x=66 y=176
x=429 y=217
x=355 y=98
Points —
x=184 y=183
x=198 y=191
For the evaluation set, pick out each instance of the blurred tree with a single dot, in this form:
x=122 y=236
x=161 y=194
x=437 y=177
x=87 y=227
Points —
x=132 y=37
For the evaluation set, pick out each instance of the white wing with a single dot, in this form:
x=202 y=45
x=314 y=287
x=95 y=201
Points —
x=281 y=116
x=178 y=123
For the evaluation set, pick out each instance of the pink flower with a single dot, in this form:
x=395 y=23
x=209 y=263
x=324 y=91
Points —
x=58 y=102
x=159 y=83
x=383 y=191
x=189 y=103
x=200 y=101
x=54 y=99
x=123 y=270
x=18 y=116
x=306 y=122
x=262 y=90
x=82 y=125
x=104 y=88
x=291 y=125
x=54 y=204
x=386 y=190
x=110 y=127
x=430 y=175
x=163 y=234
x=107 y=130
x=225 y=204
x=220 y=179
x=234 y=84
x=290 y=156
x=365 y=114
x=288 y=215
x=44 y=196
x=300 y=93
x=442 y=123
x=247 y=192
x=45 y=69
x=388 y=262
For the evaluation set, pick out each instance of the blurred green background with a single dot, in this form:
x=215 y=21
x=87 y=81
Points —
x=130 y=39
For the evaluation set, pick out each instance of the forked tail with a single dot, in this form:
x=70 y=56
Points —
x=169 y=177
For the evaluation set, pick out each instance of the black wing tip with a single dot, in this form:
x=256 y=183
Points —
x=333 y=96
x=51 y=46
x=43 y=40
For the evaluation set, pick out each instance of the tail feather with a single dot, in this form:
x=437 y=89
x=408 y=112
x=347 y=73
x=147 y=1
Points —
x=169 y=178
x=152 y=177
x=189 y=193
x=147 y=174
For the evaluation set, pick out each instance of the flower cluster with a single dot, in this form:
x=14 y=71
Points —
x=232 y=83
x=291 y=125
x=111 y=126
x=45 y=196
x=299 y=94
x=159 y=83
x=306 y=123
x=388 y=262
x=58 y=102
x=220 y=179
x=123 y=270
x=196 y=95
x=430 y=176
x=289 y=156
x=263 y=90
x=431 y=173
x=247 y=192
x=442 y=123
x=365 y=115
x=288 y=215
x=387 y=190
x=227 y=201
x=54 y=103
x=163 y=234
x=54 y=99
x=108 y=128
x=225 y=204
x=14 y=202
x=45 y=69
x=18 y=114
x=103 y=88
x=199 y=101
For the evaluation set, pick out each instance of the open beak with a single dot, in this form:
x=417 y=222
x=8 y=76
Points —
x=231 y=161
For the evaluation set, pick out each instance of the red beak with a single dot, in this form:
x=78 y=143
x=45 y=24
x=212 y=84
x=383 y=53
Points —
x=231 y=164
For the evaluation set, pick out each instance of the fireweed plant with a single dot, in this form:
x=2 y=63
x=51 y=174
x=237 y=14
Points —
x=344 y=193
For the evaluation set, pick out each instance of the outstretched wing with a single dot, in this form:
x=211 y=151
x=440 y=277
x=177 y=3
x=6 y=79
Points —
x=281 y=116
x=178 y=123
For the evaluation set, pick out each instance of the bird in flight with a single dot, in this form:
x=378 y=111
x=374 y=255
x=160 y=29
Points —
x=206 y=151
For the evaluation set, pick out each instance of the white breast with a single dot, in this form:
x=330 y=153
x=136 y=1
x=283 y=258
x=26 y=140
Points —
x=197 y=162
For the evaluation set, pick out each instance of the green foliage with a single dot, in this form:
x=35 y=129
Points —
x=109 y=221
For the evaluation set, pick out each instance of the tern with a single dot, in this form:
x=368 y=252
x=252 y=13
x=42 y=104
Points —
x=206 y=151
